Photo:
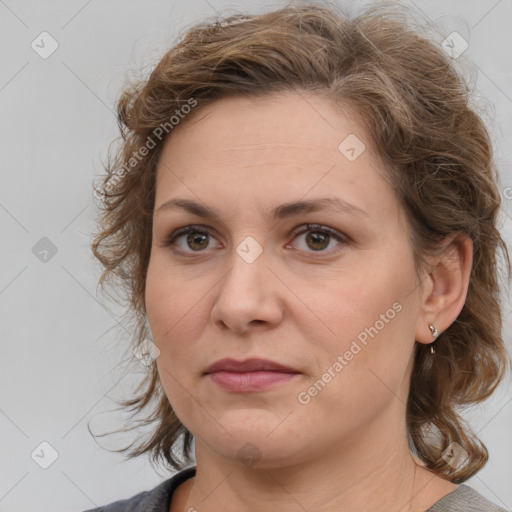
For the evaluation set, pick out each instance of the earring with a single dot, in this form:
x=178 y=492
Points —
x=435 y=333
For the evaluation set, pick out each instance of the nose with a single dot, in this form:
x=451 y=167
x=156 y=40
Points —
x=248 y=297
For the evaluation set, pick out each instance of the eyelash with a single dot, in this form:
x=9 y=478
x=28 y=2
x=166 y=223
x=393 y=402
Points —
x=316 y=228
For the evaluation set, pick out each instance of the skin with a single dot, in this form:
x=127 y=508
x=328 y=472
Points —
x=347 y=448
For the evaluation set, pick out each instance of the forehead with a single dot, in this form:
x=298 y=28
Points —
x=283 y=146
x=284 y=122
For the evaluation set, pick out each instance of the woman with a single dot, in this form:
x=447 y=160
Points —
x=304 y=214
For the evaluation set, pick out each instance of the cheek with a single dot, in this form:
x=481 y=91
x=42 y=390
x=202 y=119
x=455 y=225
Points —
x=351 y=303
x=361 y=371
x=176 y=314
x=176 y=310
x=368 y=315
x=169 y=301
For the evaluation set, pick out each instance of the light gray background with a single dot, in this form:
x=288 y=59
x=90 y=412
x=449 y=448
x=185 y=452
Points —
x=58 y=355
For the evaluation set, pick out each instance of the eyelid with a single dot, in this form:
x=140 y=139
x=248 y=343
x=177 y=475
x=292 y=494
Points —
x=319 y=227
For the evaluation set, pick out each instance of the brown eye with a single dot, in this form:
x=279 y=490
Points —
x=317 y=241
x=190 y=239
x=197 y=241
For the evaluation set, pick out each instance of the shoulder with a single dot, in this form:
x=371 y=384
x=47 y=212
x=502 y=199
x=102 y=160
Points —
x=465 y=499
x=157 y=499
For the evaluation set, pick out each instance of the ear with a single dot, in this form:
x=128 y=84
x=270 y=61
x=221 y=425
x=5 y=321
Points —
x=445 y=286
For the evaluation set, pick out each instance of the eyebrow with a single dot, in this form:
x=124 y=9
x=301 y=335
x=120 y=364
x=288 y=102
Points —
x=279 y=212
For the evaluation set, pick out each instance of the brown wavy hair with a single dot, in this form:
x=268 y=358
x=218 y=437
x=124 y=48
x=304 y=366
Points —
x=438 y=154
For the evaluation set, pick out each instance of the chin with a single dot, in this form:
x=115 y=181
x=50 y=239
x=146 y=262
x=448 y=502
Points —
x=254 y=449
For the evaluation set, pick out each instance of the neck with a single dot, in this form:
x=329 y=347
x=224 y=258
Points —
x=375 y=475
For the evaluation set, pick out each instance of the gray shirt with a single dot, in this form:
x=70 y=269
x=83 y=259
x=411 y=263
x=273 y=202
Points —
x=158 y=499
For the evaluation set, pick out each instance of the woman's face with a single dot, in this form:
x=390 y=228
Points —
x=338 y=301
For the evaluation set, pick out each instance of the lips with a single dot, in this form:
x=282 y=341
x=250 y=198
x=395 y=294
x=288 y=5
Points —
x=249 y=376
x=249 y=365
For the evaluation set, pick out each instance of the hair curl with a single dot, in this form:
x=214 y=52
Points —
x=438 y=153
